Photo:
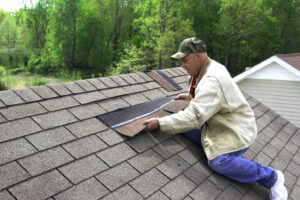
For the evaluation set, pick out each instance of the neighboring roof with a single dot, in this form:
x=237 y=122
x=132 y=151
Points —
x=287 y=61
x=53 y=147
x=292 y=59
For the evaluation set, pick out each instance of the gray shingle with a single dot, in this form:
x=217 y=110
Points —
x=28 y=94
x=86 y=85
x=263 y=159
x=184 y=86
x=171 y=71
x=270 y=150
x=277 y=143
x=59 y=103
x=2 y=119
x=142 y=142
x=178 y=188
x=124 y=193
x=144 y=76
x=87 y=111
x=154 y=94
x=135 y=88
x=21 y=111
x=128 y=78
x=151 y=85
x=116 y=154
x=279 y=164
x=47 y=139
x=15 y=149
x=117 y=176
x=73 y=87
x=83 y=168
x=119 y=80
x=54 y=119
x=109 y=82
x=17 y=128
x=291 y=146
x=10 y=98
x=285 y=155
x=138 y=78
x=85 y=146
x=168 y=148
x=44 y=92
x=252 y=195
x=295 y=194
x=4 y=195
x=178 y=166
x=110 y=137
x=41 y=187
x=180 y=79
x=1 y=104
x=145 y=161
x=219 y=180
x=86 y=127
x=149 y=182
x=90 y=189
x=230 y=193
x=113 y=104
x=97 y=83
x=192 y=154
x=45 y=161
x=205 y=191
x=158 y=195
x=89 y=97
x=179 y=70
x=10 y=174
x=134 y=99
x=198 y=172
x=294 y=168
x=60 y=89
x=114 y=92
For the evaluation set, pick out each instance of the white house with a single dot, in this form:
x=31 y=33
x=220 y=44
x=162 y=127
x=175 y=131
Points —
x=276 y=83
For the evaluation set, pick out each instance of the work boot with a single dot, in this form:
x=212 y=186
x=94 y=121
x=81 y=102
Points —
x=278 y=190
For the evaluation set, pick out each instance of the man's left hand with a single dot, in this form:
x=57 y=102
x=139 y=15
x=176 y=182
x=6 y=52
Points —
x=151 y=124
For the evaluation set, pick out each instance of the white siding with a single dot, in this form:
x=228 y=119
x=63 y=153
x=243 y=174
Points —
x=281 y=96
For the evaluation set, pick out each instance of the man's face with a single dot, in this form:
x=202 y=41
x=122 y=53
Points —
x=190 y=64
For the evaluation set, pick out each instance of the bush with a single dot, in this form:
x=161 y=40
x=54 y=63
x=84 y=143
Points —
x=2 y=71
x=38 y=82
x=2 y=86
x=17 y=70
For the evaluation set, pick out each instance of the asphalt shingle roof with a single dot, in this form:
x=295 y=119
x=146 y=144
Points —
x=53 y=147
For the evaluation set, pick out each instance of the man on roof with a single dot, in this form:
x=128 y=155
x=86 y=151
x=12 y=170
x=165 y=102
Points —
x=219 y=119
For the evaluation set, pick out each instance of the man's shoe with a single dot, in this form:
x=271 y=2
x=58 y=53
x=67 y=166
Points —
x=278 y=190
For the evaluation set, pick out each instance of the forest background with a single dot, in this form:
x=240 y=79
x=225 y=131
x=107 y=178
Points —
x=79 y=39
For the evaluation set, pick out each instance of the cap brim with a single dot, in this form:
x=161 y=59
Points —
x=178 y=55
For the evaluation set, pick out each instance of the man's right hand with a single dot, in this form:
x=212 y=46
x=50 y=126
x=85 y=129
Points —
x=183 y=97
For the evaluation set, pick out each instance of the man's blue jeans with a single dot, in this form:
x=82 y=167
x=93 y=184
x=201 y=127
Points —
x=237 y=168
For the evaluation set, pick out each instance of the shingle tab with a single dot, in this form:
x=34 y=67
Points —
x=158 y=195
x=178 y=188
x=10 y=174
x=206 y=190
x=120 y=81
x=73 y=87
x=179 y=165
x=230 y=193
x=144 y=76
x=10 y=98
x=113 y=104
x=85 y=146
x=97 y=83
x=110 y=137
x=141 y=142
x=135 y=88
x=54 y=119
x=154 y=94
x=152 y=85
x=134 y=99
x=114 y=92
x=83 y=168
x=50 y=138
x=168 y=148
x=17 y=128
x=28 y=94
x=86 y=127
x=44 y=92
x=6 y=196
x=124 y=193
x=117 y=176
x=21 y=111
x=45 y=161
x=116 y=154
x=86 y=85
x=90 y=189
x=198 y=172
x=41 y=187
x=192 y=154
x=138 y=78
x=87 y=111
x=128 y=78
x=59 y=103
x=60 y=89
x=89 y=97
x=149 y=182
x=109 y=82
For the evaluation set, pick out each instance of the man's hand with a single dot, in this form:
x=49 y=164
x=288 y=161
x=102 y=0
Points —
x=183 y=97
x=151 y=124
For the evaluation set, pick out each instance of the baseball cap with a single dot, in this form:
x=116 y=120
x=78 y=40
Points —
x=189 y=45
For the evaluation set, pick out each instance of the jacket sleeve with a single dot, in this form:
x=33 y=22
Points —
x=206 y=103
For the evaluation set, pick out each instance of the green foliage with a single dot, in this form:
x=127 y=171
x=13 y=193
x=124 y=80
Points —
x=37 y=82
x=2 y=71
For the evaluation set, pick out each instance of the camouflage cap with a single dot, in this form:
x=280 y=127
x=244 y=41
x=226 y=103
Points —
x=189 y=45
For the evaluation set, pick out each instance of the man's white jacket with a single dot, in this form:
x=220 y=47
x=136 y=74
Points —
x=219 y=106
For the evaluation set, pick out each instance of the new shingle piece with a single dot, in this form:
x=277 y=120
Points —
x=86 y=85
x=45 y=161
x=73 y=87
x=60 y=89
x=116 y=154
x=85 y=146
x=10 y=98
x=28 y=95
x=10 y=174
x=54 y=119
x=47 y=139
x=83 y=168
x=149 y=182
x=89 y=97
x=113 y=104
x=41 y=187
x=117 y=176
x=87 y=111
x=86 y=127
x=59 y=103
x=44 y=92
x=97 y=83
x=124 y=193
x=17 y=128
